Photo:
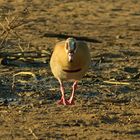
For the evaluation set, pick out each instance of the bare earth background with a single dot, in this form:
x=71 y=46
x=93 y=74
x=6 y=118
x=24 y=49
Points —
x=102 y=111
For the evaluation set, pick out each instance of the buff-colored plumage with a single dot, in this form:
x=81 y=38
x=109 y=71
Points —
x=62 y=69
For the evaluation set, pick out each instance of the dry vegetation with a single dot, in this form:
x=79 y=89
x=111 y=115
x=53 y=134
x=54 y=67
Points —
x=108 y=98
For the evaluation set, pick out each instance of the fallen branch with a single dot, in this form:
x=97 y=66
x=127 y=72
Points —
x=116 y=83
x=64 y=36
x=20 y=80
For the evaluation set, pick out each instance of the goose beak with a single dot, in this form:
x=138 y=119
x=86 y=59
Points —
x=70 y=56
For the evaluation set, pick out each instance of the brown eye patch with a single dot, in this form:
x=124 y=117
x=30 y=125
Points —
x=67 y=46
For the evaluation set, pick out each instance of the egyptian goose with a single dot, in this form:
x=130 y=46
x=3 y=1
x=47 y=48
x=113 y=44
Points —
x=69 y=61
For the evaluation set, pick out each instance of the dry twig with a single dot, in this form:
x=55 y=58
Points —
x=34 y=135
x=22 y=74
x=116 y=83
x=9 y=26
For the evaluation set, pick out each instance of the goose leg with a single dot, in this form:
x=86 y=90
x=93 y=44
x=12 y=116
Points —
x=74 y=87
x=62 y=101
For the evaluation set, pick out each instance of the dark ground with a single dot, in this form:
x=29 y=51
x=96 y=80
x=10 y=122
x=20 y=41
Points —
x=103 y=111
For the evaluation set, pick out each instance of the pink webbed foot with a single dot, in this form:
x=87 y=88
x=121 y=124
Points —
x=63 y=101
x=71 y=102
